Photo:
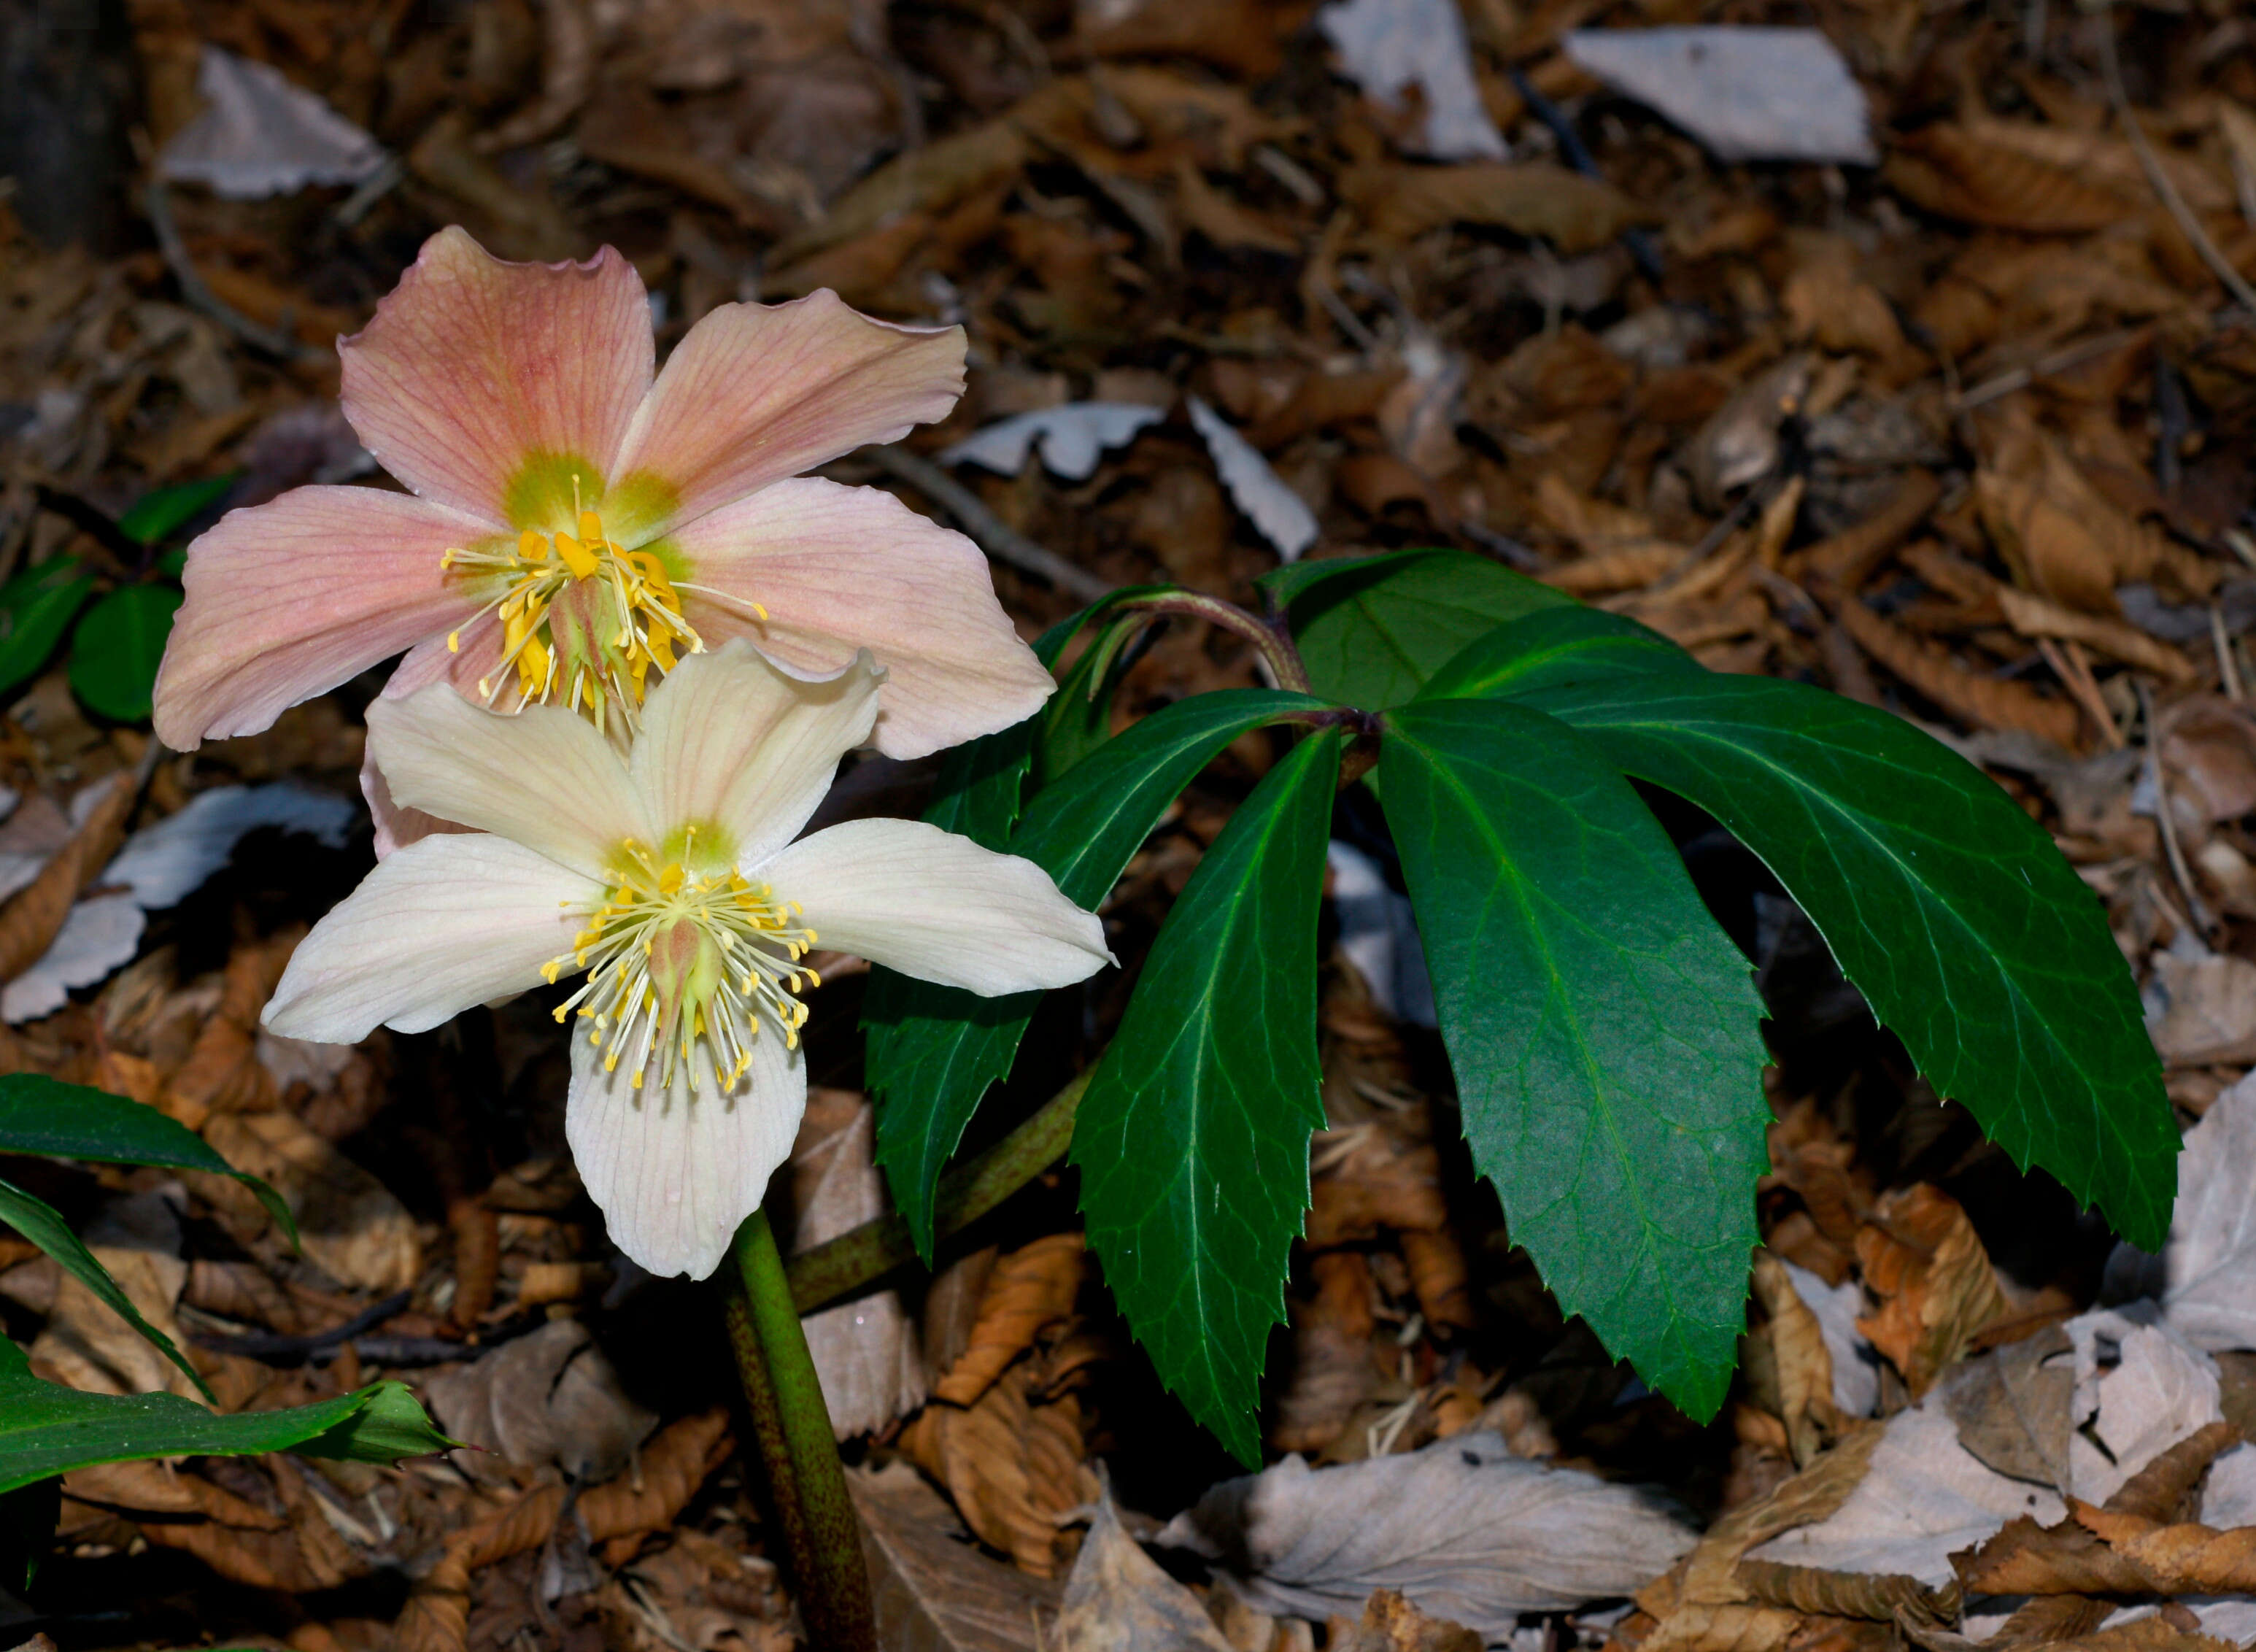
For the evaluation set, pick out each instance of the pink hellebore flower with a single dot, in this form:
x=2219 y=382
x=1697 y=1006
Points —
x=669 y=878
x=574 y=523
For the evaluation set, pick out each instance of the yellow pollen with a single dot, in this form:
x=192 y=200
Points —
x=676 y=958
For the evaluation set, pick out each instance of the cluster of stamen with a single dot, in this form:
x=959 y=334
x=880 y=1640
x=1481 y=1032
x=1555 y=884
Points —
x=674 y=956
x=582 y=618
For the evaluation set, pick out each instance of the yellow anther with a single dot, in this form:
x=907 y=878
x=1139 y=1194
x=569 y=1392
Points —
x=591 y=528
x=532 y=547
x=454 y=642
x=579 y=558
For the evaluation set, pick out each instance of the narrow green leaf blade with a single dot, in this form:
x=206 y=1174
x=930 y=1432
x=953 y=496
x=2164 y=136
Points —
x=48 y=1117
x=43 y=1225
x=1952 y=910
x=1601 y=1026
x=1372 y=629
x=35 y=606
x=47 y=1429
x=1192 y=1137
x=942 y=1047
x=118 y=646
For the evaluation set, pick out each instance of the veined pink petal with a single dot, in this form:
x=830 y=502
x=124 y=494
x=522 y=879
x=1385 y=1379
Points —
x=543 y=778
x=484 y=385
x=729 y=740
x=674 y=1173
x=931 y=904
x=396 y=826
x=291 y=598
x=443 y=924
x=758 y=392
x=839 y=568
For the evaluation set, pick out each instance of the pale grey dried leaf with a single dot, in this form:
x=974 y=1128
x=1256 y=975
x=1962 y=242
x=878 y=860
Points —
x=548 y=1397
x=1855 y=1363
x=2211 y=1261
x=1391 y=48
x=932 y=1590
x=2162 y=1389
x=258 y=135
x=1069 y=438
x=2228 y=1496
x=1922 y=1496
x=1462 y=1528
x=98 y=936
x=1282 y=515
x=1118 y=1600
x=865 y=1351
x=1747 y=93
x=158 y=866
x=2012 y=1408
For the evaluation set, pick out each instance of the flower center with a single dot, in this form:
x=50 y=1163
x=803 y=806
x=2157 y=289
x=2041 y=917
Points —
x=674 y=956
x=580 y=614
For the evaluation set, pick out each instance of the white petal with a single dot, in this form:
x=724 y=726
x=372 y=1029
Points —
x=732 y=739
x=938 y=906
x=452 y=920
x=674 y=1173
x=541 y=777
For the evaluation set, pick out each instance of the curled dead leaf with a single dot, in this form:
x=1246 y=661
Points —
x=1925 y=1264
x=1030 y=1290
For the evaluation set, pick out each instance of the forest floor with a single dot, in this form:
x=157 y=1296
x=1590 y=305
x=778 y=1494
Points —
x=1965 y=428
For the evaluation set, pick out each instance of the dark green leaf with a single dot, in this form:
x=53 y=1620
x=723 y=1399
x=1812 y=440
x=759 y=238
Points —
x=43 y=1225
x=156 y=516
x=943 y=1047
x=35 y=606
x=46 y=1116
x=1553 y=647
x=1192 y=1137
x=47 y=1429
x=978 y=792
x=1971 y=937
x=1601 y=1027
x=1372 y=629
x=115 y=655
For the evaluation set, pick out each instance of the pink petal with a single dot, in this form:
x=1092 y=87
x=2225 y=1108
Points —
x=840 y=569
x=759 y=392
x=397 y=825
x=484 y=386
x=290 y=598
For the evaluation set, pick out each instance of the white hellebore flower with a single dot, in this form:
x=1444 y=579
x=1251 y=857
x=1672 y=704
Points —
x=671 y=879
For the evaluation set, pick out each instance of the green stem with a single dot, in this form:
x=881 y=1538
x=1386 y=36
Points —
x=862 y=1255
x=792 y=1427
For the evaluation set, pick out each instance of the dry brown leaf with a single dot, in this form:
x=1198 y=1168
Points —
x=932 y=1590
x=350 y=1222
x=1799 y=1363
x=222 y=1073
x=1222 y=220
x=1924 y=1263
x=1850 y=556
x=2034 y=615
x=1391 y=1624
x=85 y=1343
x=1030 y=1290
x=1881 y=1597
x=1953 y=172
x=1534 y=197
x=1012 y=1466
x=1989 y=703
x=1331 y=1372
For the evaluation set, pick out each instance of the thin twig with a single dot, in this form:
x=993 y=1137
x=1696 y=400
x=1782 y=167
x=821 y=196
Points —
x=2164 y=821
x=995 y=536
x=2243 y=294
x=2058 y=361
x=201 y=297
